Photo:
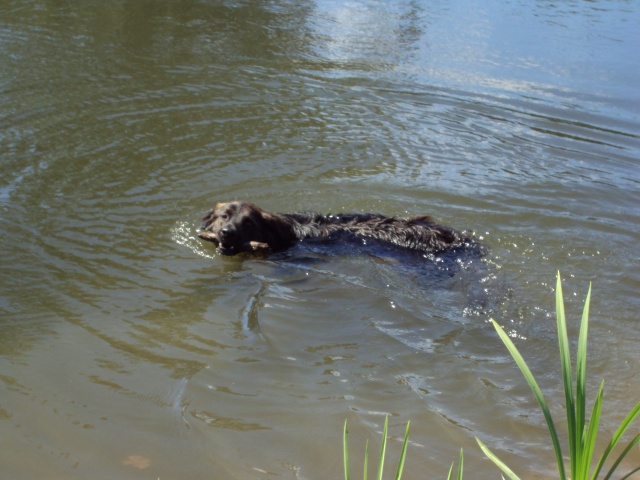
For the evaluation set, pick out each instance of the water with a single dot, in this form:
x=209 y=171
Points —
x=129 y=349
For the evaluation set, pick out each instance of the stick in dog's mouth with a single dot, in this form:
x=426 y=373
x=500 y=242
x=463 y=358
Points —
x=231 y=250
x=210 y=236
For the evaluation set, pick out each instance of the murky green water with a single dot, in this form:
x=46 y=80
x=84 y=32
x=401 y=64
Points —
x=129 y=349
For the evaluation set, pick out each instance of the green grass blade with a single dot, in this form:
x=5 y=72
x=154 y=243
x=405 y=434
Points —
x=460 y=466
x=450 y=471
x=621 y=456
x=383 y=448
x=635 y=411
x=403 y=453
x=366 y=460
x=628 y=475
x=574 y=432
x=537 y=394
x=584 y=444
x=590 y=437
x=501 y=465
x=345 y=450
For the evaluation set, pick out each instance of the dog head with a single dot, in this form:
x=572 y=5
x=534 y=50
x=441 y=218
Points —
x=237 y=227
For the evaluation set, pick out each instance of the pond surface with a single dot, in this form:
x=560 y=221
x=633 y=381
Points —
x=129 y=349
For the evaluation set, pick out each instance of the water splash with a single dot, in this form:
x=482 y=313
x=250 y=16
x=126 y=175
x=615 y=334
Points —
x=183 y=233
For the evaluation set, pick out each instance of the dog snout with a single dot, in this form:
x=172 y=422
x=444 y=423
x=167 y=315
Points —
x=228 y=232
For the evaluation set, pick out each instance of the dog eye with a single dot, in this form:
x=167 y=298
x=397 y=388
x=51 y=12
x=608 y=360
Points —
x=224 y=217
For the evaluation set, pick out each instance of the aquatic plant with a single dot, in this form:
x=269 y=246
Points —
x=460 y=465
x=383 y=449
x=581 y=433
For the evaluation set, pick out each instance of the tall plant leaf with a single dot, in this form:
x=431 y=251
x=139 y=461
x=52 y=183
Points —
x=460 y=466
x=501 y=465
x=345 y=451
x=622 y=455
x=450 y=470
x=567 y=381
x=536 y=393
x=584 y=444
x=383 y=448
x=626 y=423
x=403 y=453
x=365 y=468
x=589 y=439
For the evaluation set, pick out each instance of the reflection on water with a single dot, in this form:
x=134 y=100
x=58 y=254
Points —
x=129 y=347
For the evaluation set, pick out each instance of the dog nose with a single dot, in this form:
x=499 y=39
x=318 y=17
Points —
x=227 y=232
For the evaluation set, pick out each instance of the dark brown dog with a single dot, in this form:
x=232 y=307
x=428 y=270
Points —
x=237 y=227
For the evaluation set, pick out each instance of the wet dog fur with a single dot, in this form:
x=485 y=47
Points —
x=237 y=227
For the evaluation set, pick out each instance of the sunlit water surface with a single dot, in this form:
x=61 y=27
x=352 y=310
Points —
x=130 y=349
